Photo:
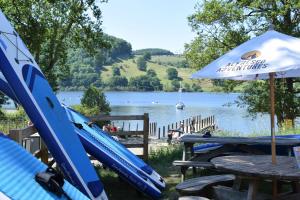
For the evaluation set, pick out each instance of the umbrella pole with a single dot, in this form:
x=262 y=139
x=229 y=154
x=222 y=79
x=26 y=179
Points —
x=272 y=115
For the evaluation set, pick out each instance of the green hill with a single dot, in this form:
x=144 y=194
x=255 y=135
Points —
x=153 y=52
x=160 y=64
x=119 y=68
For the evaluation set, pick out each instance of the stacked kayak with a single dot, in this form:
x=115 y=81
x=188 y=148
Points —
x=32 y=90
x=52 y=120
x=108 y=151
x=23 y=81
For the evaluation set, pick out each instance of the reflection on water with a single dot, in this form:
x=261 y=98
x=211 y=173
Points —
x=161 y=108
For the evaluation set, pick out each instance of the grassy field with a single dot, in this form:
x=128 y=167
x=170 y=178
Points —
x=161 y=160
x=159 y=64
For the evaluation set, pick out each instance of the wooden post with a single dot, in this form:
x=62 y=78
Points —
x=44 y=152
x=272 y=115
x=159 y=133
x=146 y=135
x=16 y=135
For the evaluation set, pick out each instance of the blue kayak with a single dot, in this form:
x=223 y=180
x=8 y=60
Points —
x=116 y=147
x=265 y=148
x=17 y=175
x=102 y=151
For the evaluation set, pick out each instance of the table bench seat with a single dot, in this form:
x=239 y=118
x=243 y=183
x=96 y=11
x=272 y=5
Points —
x=197 y=185
x=188 y=163
x=226 y=193
x=192 y=198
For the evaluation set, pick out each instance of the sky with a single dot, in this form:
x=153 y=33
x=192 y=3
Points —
x=149 y=23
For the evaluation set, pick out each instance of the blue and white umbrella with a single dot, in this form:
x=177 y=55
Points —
x=268 y=56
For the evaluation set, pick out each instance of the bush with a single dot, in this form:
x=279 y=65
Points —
x=141 y=64
x=196 y=88
x=172 y=73
x=118 y=81
x=187 y=87
x=116 y=71
x=147 y=56
x=151 y=73
x=175 y=85
x=146 y=83
x=94 y=102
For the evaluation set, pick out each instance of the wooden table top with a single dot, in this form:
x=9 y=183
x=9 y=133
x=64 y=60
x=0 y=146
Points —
x=259 y=166
x=193 y=138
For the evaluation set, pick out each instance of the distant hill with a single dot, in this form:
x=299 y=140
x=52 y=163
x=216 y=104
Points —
x=153 y=52
x=119 y=68
x=160 y=65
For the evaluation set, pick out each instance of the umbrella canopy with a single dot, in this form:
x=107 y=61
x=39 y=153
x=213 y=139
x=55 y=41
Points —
x=268 y=56
x=269 y=52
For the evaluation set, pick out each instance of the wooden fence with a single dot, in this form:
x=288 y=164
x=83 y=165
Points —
x=31 y=141
x=189 y=125
x=130 y=143
x=29 y=138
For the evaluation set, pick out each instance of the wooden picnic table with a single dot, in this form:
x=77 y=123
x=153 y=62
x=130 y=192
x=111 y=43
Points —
x=256 y=168
x=230 y=145
x=193 y=138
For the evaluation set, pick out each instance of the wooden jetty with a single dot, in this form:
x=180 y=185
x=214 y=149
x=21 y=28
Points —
x=193 y=124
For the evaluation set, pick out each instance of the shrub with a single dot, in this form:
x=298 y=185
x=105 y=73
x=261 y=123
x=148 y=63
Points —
x=172 y=73
x=141 y=64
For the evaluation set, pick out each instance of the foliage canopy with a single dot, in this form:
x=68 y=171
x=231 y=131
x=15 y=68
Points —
x=50 y=28
x=224 y=24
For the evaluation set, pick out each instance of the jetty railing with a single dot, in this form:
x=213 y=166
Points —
x=29 y=138
x=190 y=125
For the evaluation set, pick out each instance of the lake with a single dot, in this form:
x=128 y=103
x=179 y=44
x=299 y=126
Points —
x=161 y=108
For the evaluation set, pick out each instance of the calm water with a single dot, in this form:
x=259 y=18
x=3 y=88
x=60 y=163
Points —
x=161 y=108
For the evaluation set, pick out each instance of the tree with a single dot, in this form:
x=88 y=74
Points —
x=116 y=71
x=119 y=48
x=153 y=52
x=141 y=64
x=147 y=56
x=151 y=72
x=50 y=28
x=175 y=85
x=3 y=100
x=221 y=25
x=196 y=88
x=187 y=87
x=172 y=73
x=95 y=101
x=146 y=83
x=83 y=72
x=118 y=81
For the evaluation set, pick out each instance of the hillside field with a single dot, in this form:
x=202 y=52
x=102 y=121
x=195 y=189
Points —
x=159 y=64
